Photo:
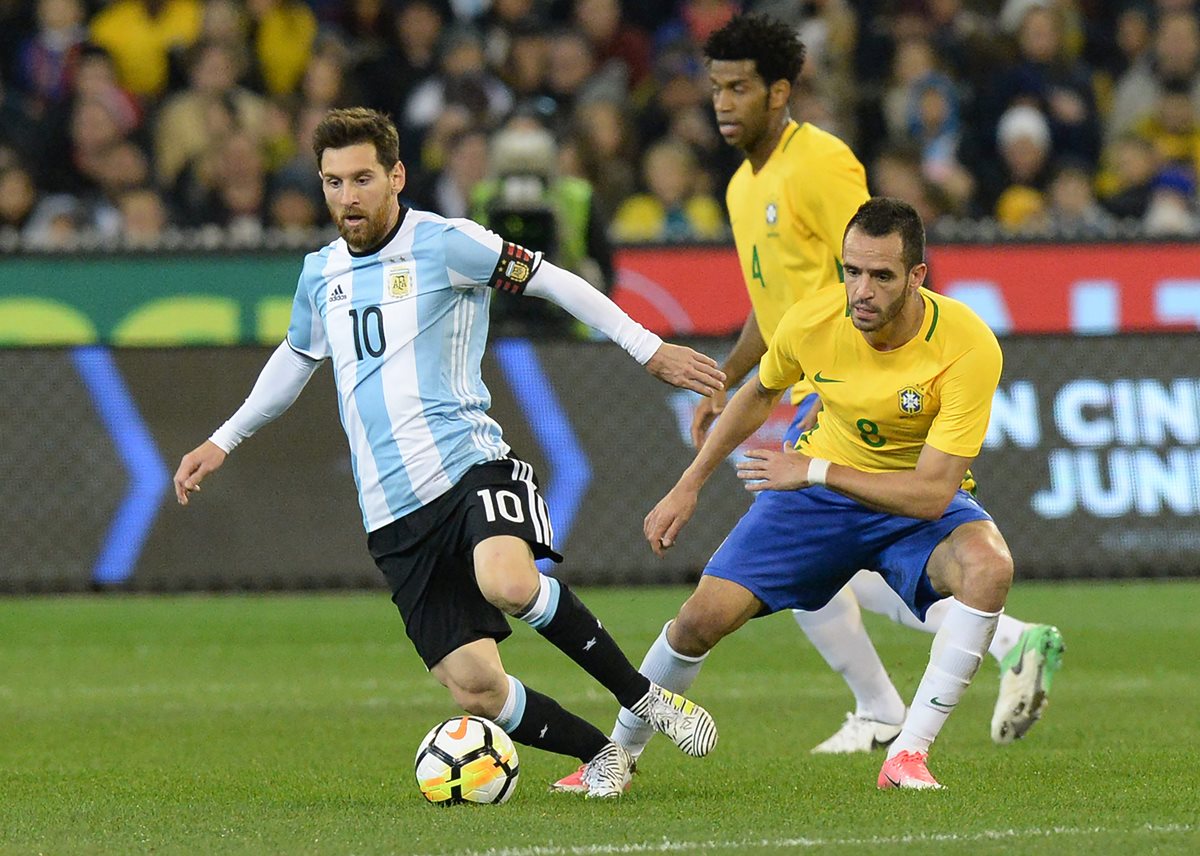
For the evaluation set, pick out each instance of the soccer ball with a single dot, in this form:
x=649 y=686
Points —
x=467 y=759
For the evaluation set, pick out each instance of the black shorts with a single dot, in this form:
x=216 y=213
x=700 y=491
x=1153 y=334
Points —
x=426 y=556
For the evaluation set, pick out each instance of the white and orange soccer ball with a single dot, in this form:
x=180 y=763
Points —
x=467 y=759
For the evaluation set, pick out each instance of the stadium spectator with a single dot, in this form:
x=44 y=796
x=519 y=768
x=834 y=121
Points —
x=615 y=42
x=292 y=209
x=527 y=63
x=47 y=59
x=1072 y=211
x=1175 y=56
x=897 y=173
x=1134 y=39
x=673 y=210
x=965 y=41
x=410 y=58
x=499 y=26
x=142 y=36
x=1046 y=76
x=237 y=192
x=117 y=169
x=678 y=104
x=194 y=121
x=463 y=79
x=922 y=109
x=300 y=170
x=284 y=33
x=575 y=77
x=366 y=26
x=1129 y=178
x=1023 y=138
x=1173 y=129
x=607 y=153
x=701 y=18
x=448 y=192
x=1172 y=210
x=225 y=21
x=18 y=198
x=144 y=218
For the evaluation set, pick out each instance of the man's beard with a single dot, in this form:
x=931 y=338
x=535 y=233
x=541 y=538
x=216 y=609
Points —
x=368 y=233
x=884 y=314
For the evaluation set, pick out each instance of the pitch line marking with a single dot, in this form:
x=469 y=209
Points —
x=666 y=846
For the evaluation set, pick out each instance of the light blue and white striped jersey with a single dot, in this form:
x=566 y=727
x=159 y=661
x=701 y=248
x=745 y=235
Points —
x=406 y=328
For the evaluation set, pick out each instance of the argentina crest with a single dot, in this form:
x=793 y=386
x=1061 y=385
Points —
x=400 y=281
x=912 y=401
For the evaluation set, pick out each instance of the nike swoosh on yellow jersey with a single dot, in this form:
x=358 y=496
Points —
x=817 y=377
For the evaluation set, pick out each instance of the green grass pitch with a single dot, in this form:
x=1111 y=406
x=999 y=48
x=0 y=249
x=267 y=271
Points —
x=288 y=724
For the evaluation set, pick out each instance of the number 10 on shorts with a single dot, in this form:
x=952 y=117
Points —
x=507 y=503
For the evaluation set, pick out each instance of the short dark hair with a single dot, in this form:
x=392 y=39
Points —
x=350 y=126
x=774 y=47
x=882 y=215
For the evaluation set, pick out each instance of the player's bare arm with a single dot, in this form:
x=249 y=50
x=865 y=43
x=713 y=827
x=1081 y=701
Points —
x=922 y=493
x=747 y=351
x=747 y=411
x=194 y=466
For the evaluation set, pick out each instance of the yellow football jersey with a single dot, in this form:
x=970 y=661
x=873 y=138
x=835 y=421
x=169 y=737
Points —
x=882 y=407
x=788 y=221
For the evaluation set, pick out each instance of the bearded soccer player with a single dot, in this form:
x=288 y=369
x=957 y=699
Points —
x=789 y=204
x=875 y=484
x=399 y=304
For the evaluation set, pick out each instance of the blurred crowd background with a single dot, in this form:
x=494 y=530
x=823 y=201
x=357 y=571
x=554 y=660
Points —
x=146 y=123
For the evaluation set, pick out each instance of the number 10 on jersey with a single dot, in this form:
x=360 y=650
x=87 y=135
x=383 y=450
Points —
x=368 y=331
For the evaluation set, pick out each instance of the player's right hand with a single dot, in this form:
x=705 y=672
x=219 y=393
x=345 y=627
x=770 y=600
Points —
x=664 y=521
x=194 y=466
x=705 y=414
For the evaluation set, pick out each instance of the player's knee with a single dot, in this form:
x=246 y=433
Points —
x=987 y=577
x=508 y=589
x=695 y=631
x=480 y=695
x=509 y=596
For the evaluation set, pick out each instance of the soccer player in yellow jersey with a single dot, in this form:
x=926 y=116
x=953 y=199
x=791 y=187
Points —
x=789 y=204
x=907 y=379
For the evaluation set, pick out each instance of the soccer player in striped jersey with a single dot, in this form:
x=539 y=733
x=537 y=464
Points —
x=789 y=203
x=907 y=379
x=399 y=305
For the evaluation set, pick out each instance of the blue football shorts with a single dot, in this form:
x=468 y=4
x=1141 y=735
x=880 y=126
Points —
x=795 y=549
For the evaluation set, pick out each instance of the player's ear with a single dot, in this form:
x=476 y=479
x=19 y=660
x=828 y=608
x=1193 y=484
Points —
x=397 y=176
x=778 y=94
x=916 y=276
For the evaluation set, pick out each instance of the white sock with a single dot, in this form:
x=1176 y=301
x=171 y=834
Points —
x=954 y=659
x=875 y=595
x=1008 y=631
x=836 y=631
x=667 y=668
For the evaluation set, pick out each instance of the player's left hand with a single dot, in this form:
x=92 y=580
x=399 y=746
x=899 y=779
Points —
x=768 y=469
x=680 y=366
x=664 y=522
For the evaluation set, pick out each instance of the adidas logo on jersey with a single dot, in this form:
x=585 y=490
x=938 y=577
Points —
x=337 y=294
